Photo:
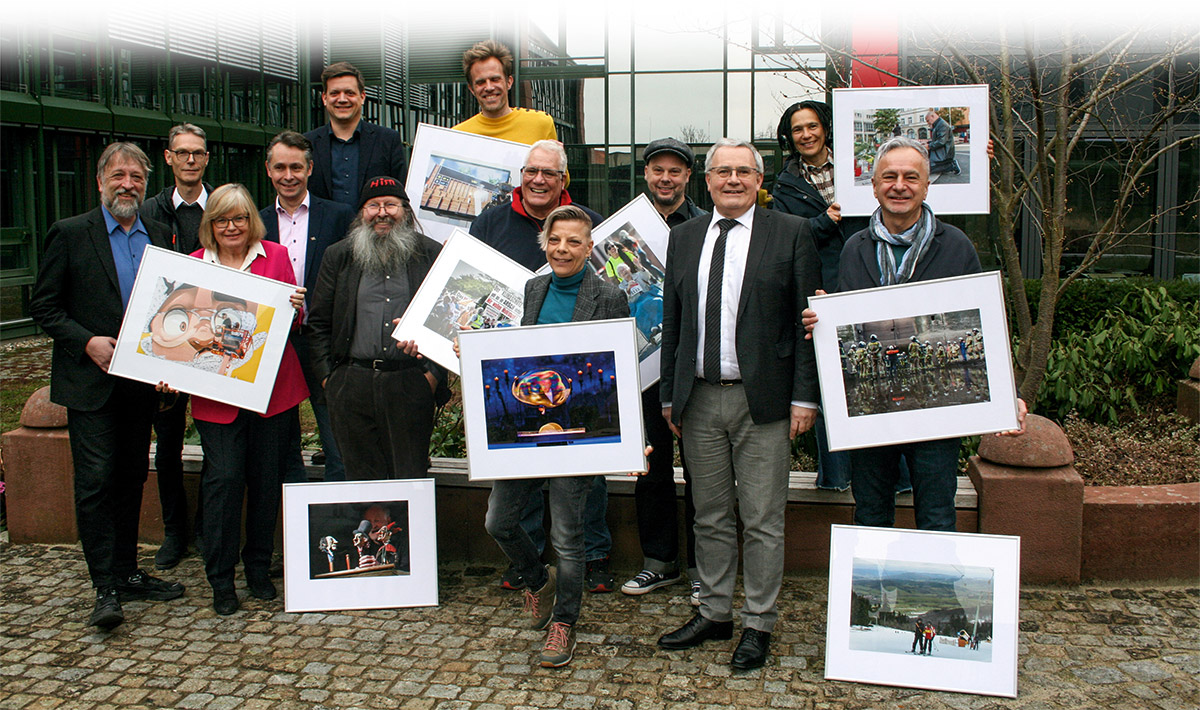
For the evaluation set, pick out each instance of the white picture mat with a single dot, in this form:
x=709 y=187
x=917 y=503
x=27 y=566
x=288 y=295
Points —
x=626 y=455
x=417 y=588
x=973 y=197
x=653 y=230
x=1002 y=553
x=158 y=263
x=977 y=291
x=460 y=247
x=431 y=141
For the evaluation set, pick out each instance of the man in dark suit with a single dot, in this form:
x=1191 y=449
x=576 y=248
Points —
x=83 y=286
x=306 y=225
x=381 y=397
x=347 y=150
x=740 y=379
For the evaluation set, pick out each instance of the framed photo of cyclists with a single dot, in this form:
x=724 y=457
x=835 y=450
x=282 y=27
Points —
x=923 y=609
x=915 y=362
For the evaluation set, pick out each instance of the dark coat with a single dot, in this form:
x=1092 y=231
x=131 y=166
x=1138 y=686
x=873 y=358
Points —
x=778 y=365
x=597 y=299
x=380 y=152
x=77 y=297
x=161 y=208
x=794 y=194
x=950 y=254
x=328 y=222
x=509 y=230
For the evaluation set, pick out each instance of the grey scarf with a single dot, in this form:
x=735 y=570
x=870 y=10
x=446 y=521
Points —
x=917 y=239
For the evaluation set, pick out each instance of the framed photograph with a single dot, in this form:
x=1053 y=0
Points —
x=552 y=400
x=626 y=253
x=470 y=286
x=922 y=609
x=359 y=545
x=204 y=329
x=915 y=362
x=952 y=122
x=453 y=176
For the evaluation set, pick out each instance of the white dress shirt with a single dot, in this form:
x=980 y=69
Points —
x=293 y=234
x=202 y=200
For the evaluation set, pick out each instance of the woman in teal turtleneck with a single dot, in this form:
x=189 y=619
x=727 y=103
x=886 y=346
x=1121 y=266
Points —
x=570 y=293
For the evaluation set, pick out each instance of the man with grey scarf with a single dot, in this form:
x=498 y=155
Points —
x=381 y=395
x=904 y=243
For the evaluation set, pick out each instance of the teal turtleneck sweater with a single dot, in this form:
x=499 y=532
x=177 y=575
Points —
x=559 y=305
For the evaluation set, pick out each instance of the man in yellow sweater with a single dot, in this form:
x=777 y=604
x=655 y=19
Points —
x=489 y=69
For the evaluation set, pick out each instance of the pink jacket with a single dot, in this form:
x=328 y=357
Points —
x=290 y=389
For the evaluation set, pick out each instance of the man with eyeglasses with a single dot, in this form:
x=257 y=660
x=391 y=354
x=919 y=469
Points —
x=381 y=394
x=179 y=206
x=739 y=381
x=306 y=225
x=83 y=286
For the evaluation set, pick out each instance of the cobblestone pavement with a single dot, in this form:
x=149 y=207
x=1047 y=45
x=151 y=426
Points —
x=1084 y=647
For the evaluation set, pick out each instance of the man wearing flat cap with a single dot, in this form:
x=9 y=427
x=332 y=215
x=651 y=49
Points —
x=381 y=397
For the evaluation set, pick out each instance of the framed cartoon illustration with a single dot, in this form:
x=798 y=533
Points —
x=952 y=123
x=204 y=329
x=552 y=400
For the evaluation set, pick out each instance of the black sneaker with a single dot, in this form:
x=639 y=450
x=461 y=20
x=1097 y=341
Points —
x=511 y=580
x=598 y=579
x=647 y=581
x=140 y=585
x=172 y=551
x=107 y=613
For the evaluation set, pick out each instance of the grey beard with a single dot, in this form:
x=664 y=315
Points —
x=122 y=210
x=379 y=255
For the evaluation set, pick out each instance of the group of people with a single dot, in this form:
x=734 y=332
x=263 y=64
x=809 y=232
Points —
x=738 y=367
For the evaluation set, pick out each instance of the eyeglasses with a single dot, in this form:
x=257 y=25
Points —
x=196 y=155
x=724 y=172
x=240 y=221
x=180 y=321
x=377 y=207
x=532 y=173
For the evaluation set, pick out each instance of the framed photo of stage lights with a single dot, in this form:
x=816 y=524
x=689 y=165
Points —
x=923 y=609
x=359 y=545
x=915 y=362
x=204 y=329
x=453 y=176
x=552 y=400
x=470 y=286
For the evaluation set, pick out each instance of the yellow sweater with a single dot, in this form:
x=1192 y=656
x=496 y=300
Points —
x=521 y=125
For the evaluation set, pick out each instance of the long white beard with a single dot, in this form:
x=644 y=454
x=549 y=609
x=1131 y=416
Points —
x=384 y=254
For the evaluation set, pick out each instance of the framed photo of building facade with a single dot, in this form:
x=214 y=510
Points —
x=469 y=287
x=952 y=122
x=923 y=609
x=453 y=176
x=552 y=400
x=915 y=362
x=204 y=329
x=359 y=545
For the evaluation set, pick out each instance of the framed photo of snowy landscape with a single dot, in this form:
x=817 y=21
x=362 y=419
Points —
x=923 y=609
x=915 y=362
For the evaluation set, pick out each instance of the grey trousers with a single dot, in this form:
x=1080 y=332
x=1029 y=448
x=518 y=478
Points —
x=733 y=460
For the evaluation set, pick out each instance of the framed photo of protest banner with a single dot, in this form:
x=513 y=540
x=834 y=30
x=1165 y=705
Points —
x=952 y=123
x=923 y=609
x=454 y=176
x=626 y=253
x=470 y=286
x=359 y=545
x=552 y=400
x=915 y=362
x=204 y=329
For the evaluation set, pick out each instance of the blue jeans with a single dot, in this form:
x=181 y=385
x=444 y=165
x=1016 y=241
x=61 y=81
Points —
x=568 y=495
x=833 y=467
x=597 y=540
x=933 y=466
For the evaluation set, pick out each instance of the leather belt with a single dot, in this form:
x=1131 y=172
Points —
x=384 y=365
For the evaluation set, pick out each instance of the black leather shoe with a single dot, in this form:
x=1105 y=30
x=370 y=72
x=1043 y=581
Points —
x=751 y=651
x=107 y=614
x=260 y=587
x=140 y=585
x=695 y=632
x=171 y=552
x=225 y=601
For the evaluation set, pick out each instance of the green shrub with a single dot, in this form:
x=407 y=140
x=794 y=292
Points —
x=1086 y=300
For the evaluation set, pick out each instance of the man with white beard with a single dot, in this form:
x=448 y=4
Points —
x=381 y=396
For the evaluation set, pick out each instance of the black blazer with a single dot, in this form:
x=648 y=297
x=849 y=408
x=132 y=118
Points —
x=77 y=297
x=328 y=222
x=380 y=152
x=782 y=270
x=334 y=304
x=597 y=299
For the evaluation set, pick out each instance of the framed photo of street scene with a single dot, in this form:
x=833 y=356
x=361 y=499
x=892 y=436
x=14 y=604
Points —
x=923 y=609
x=952 y=123
x=204 y=329
x=454 y=176
x=626 y=253
x=915 y=362
x=470 y=286
x=552 y=400
x=359 y=545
